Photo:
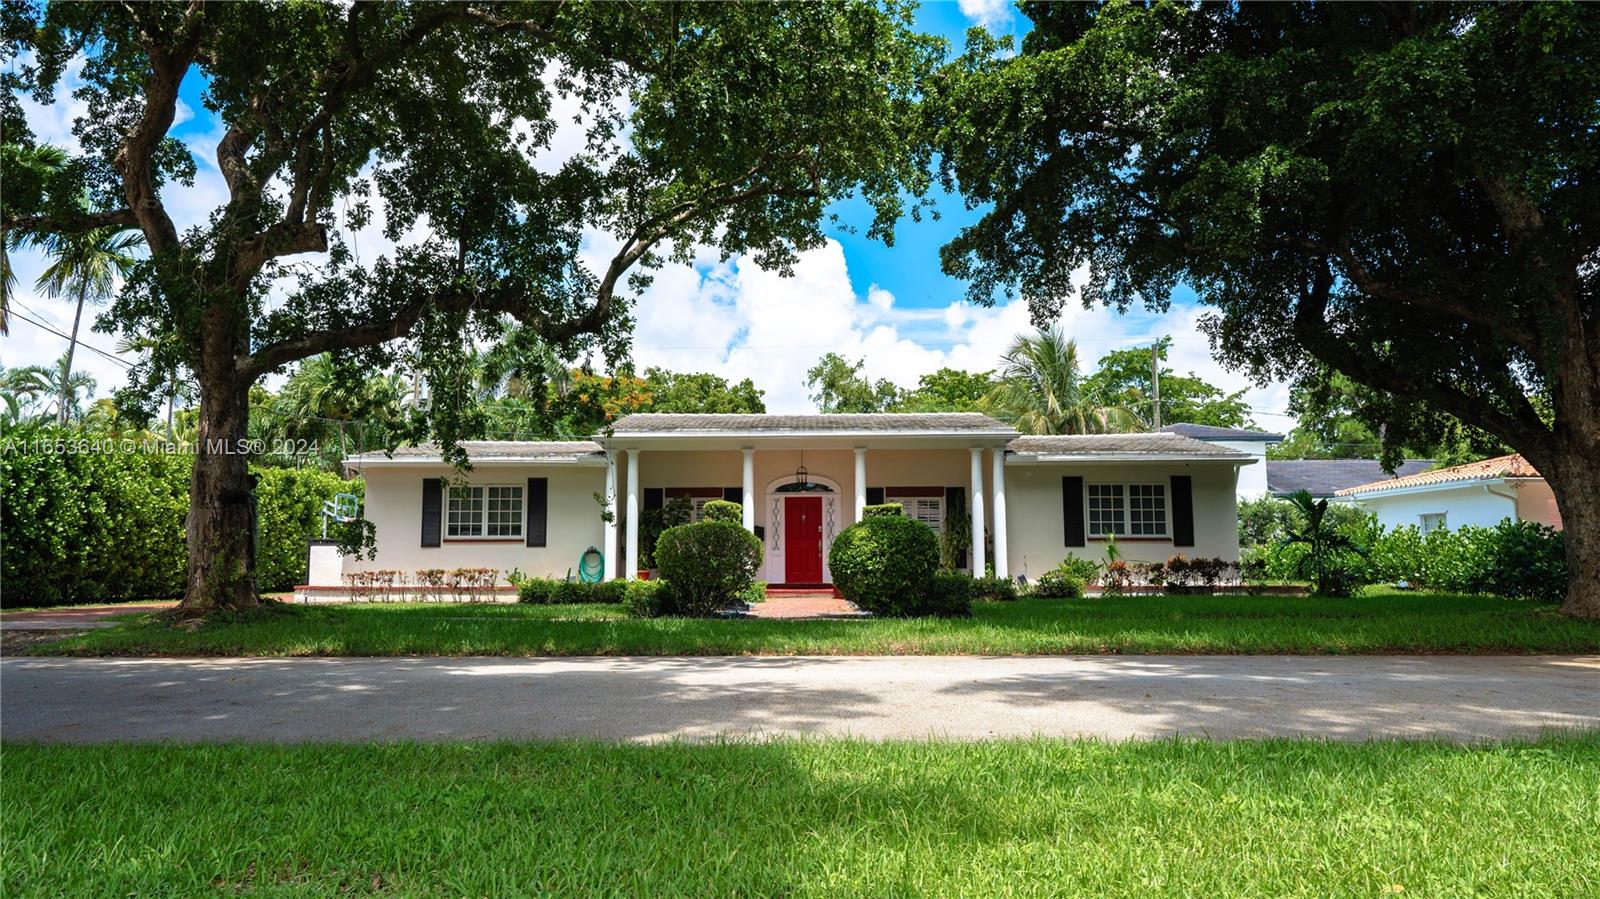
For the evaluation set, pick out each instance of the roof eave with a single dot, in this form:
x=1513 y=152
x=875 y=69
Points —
x=1025 y=458
x=1369 y=491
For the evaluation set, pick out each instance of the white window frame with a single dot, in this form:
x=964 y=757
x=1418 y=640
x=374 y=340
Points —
x=697 y=507
x=1124 y=497
x=480 y=530
x=933 y=503
x=1441 y=522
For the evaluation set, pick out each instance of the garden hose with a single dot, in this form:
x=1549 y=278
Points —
x=591 y=572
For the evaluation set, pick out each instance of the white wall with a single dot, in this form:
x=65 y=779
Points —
x=1537 y=502
x=394 y=506
x=1036 y=536
x=1469 y=504
x=1252 y=478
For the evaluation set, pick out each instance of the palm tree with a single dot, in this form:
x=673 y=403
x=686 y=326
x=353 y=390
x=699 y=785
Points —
x=29 y=171
x=1327 y=550
x=1040 y=391
x=87 y=266
x=35 y=382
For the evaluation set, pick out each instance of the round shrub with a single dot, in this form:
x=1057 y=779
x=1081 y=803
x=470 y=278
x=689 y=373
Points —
x=708 y=564
x=722 y=510
x=883 y=509
x=885 y=563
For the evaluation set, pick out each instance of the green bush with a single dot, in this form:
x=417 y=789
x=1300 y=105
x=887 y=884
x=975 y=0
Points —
x=544 y=591
x=647 y=599
x=994 y=589
x=949 y=595
x=1065 y=581
x=755 y=593
x=1519 y=560
x=722 y=510
x=885 y=563
x=85 y=525
x=883 y=509
x=708 y=564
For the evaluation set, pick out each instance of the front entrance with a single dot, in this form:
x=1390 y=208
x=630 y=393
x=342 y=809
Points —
x=802 y=532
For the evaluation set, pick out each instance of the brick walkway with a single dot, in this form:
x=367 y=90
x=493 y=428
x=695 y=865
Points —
x=803 y=604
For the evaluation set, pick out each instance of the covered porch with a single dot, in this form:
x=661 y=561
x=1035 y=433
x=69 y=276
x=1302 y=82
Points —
x=801 y=480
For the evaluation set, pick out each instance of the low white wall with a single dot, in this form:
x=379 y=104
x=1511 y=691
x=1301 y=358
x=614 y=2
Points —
x=1036 y=535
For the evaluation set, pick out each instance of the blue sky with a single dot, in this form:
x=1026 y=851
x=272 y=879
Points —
x=891 y=306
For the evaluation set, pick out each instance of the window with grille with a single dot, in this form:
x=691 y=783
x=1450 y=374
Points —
x=1147 y=510
x=487 y=511
x=1107 y=510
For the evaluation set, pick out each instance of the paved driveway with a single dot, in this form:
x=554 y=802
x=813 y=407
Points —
x=89 y=700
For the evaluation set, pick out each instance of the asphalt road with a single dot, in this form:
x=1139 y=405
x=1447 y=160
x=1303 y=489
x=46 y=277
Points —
x=1118 y=697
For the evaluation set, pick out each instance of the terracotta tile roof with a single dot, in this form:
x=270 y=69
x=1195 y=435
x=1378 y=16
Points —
x=1512 y=466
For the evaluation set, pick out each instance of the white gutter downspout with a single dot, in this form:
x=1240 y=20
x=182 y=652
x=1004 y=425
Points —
x=1489 y=489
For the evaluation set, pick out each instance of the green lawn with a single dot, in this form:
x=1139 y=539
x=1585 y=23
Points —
x=1385 y=623
x=1282 y=818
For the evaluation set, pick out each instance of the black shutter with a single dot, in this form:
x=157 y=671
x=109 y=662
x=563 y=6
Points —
x=956 y=498
x=874 y=496
x=733 y=494
x=432 y=510
x=1182 y=510
x=1072 y=510
x=538 y=505
x=654 y=498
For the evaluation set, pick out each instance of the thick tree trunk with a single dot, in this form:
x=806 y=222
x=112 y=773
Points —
x=221 y=555
x=1576 y=484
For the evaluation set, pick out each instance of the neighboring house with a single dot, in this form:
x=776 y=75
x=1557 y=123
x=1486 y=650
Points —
x=1324 y=478
x=1479 y=493
x=1252 y=479
x=802 y=479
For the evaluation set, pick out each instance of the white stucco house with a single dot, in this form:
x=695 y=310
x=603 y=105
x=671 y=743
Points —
x=1481 y=494
x=1252 y=478
x=1029 y=501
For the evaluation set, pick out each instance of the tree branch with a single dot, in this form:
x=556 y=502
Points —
x=87 y=221
x=1383 y=290
x=1311 y=329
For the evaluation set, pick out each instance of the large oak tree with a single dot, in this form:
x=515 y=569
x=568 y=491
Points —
x=733 y=125
x=1407 y=194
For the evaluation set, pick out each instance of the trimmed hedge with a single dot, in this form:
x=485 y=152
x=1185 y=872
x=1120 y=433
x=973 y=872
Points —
x=885 y=564
x=1065 y=581
x=647 y=599
x=546 y=591
x=709 y=565
x=949 y=595
x=883 y=509
x=92 y=526
x=723 y=510
x=994 y=589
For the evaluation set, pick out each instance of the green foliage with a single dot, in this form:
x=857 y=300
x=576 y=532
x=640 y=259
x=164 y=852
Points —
x=949 y=595
x=1517 y=560
x=946 y=390
x=647 y=599
x=289 y=511
x=994 y=589
x=885 y=564
x=877 y=509
x=839 y=386
x=1394 y=198
x=1041 y=391
x=755 y=593
x=955 y=538
x=1065 y=581
x=678 y=510
x=1268 y=519
x=554 y=590
x=1123 y=379
x=90 y=520
x=1331 y=559
x=700 y=392
x=709 y=565
x=723 y=510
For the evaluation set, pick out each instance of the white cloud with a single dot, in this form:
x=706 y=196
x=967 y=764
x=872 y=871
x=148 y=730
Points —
x=994 y=15
x=739 y=321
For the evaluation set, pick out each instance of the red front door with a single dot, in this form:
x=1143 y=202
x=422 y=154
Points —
x=802 y=532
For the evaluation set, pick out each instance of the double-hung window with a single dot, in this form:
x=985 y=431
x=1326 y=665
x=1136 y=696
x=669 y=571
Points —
x=1127 y=510
x=491 y=511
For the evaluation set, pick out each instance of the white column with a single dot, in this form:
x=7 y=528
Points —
x=861 y=481
x=977 y=513
x=633 y=515
x=749 y=489
x=611 y=518
x=998 y=477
